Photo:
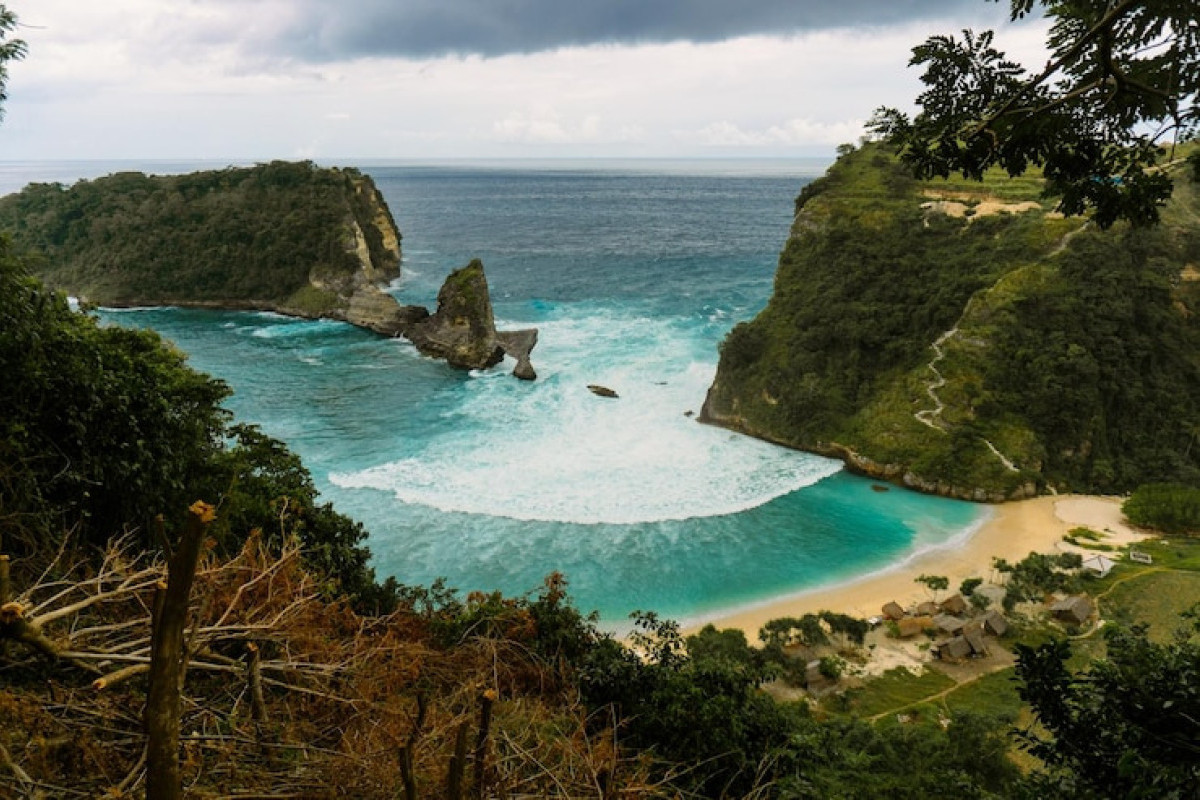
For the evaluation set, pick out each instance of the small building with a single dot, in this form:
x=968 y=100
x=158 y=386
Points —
x=995 y=623
x=954 y=604
x=948 y=624
x=1099 y=564
x=893 y=611
x=1074 y=610
x=1139 y=557
x=911 y=626
x=953 y=649
x=927 y=609
x=975 y=640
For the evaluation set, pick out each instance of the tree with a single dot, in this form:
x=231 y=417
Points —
x=1168 y=507
x=10 y=50
x=1123 y=76
x=934 y=583
x=1127 y=726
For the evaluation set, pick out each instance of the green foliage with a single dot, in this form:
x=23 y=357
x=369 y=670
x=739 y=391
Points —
x=969 y=585
x=1124 y=727
x=831 y=667
x=10 y=50
x=1074 y=356
x=934 y=583
x=851 y=628
x=250 y=236
x=1168 y=507
x=103 y=428
x=1121 y=77
x=1039 y=574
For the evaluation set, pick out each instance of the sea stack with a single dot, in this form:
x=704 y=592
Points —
x=463 y=329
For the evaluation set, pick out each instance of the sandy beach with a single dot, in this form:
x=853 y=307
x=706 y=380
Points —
x=1013 y=532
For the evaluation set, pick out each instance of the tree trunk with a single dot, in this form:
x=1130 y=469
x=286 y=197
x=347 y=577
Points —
x=168 y=658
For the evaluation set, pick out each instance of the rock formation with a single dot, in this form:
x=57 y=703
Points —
x=463 y=329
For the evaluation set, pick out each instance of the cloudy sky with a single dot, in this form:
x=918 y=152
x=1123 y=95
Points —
x=326 y=79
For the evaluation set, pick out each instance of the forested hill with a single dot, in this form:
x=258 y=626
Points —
x=286 y=236
x=963 y=339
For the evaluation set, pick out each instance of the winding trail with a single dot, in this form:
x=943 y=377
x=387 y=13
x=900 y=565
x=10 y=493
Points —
x=928 y=415
x=932 y=417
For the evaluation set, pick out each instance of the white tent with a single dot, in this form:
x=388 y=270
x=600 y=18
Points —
x=1099 y=564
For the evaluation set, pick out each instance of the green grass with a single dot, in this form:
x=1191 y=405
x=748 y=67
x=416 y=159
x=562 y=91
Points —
x=311 y=300
x=1156 y=599
x=994 y=694
x=896 y=689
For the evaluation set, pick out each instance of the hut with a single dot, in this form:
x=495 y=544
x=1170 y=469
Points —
x=995 y=623
x=911 y=626
x=927 y=609
x=975 y=640
x=948 y=624
x=954 y=605
x=893 y=611
x=1075 y=610
x=953 y=649
x=1099 y=564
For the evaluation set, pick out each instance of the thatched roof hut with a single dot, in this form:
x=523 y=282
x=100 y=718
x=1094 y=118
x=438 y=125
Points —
x=953 y=649
x=911 y=626
x=954 y=604
x=975 y=640
x=927 y=609
x=995 y=623
x=893 y=611
x=948 y=624
x=1075 y=610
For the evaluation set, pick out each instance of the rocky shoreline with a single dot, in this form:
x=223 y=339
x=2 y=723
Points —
x=859 y=464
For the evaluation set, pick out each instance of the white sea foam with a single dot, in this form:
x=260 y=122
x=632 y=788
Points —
x=553 y=451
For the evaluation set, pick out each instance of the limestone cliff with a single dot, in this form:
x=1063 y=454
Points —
x=463 y=329
x=961 y=338
x=288 y=237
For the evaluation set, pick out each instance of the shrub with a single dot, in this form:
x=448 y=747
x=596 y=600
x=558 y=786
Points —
x=1167 y=507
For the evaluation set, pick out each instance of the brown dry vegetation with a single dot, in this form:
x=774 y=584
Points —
x=344 y=696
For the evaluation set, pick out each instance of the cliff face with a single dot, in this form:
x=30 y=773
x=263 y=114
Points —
x=960 y=338
x=289 y=237
x=463 y=329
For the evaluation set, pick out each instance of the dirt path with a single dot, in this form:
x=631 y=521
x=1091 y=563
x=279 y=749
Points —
x=943 y=694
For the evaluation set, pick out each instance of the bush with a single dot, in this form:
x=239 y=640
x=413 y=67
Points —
x=1167 y=507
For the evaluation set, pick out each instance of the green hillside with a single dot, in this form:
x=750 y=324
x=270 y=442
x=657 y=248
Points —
x=286 y=236
x=1070 y=356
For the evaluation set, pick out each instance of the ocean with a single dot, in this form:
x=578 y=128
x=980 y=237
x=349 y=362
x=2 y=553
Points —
x=633 y=272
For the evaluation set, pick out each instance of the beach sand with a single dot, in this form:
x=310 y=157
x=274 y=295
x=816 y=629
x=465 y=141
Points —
x=1013 y=532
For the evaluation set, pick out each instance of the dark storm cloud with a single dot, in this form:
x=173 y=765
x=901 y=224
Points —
x=335 y=29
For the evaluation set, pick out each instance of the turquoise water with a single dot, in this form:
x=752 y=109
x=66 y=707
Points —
x=633 y=273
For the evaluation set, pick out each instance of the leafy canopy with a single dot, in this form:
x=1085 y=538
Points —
x=1122 y=78
x=10 y=50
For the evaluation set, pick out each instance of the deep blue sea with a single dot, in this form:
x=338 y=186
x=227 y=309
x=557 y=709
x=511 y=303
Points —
x=633 y=272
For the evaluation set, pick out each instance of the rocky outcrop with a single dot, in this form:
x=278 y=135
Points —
x=463 y=329
x=518 y=344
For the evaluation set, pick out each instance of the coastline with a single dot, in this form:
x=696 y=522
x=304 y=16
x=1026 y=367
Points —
x=1014 y=530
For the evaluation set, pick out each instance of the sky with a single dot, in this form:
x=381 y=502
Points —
x=441 y=79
